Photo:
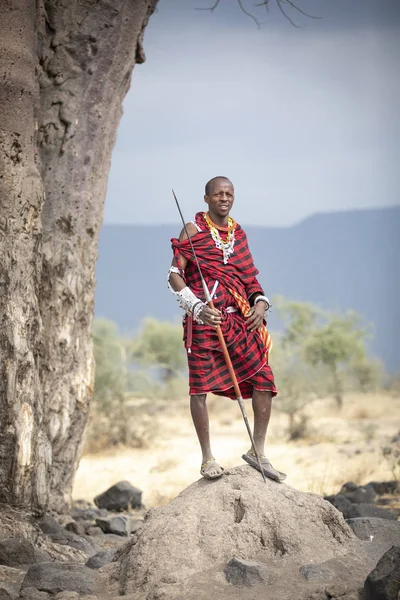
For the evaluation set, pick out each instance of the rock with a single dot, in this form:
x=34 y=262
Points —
x=317 y=572
x=31 y=593
x=20 y=551
x=383 y=583
x=87 y=514
x=245 y=573
x=11 y=579
x=4 y=595
x=341 y=503
x=60 y=535
x=79 y=528
x=385 y=487
x=67 y=596
x=56 y=577
x=364 y=494
x=120 y=496
x=373 y=529
x=50 y=525
x=95 y=531
x=236 y=515
x=100 y=559
x=119 y=525
x=135 y=524
x=368 y=510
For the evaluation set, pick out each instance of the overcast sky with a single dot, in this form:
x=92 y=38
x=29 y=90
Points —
x=302 y=120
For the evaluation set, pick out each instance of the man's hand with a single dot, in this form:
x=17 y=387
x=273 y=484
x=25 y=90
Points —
x=255 y=317
x=211 y=316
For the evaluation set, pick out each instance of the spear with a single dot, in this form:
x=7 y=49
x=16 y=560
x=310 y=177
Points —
x=223 y=346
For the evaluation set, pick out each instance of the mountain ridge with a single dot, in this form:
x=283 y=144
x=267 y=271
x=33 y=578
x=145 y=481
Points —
x=339 y=261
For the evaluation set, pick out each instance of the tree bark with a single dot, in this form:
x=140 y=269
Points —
x=24 y=448
x=87 y=52
x=81 y=53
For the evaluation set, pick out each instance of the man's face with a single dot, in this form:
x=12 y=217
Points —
x=221 y=198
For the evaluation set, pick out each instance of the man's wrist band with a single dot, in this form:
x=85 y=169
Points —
x=263 y=299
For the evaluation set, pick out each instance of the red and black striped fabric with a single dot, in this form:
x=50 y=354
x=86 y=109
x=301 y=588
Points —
x=237 y=281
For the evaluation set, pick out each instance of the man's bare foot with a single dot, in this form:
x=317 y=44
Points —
x=211 y=469
x=268 y=469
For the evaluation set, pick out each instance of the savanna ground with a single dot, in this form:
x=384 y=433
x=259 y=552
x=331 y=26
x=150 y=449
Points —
x=338 y=446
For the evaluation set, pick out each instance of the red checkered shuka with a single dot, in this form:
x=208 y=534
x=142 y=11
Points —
x=237 y=281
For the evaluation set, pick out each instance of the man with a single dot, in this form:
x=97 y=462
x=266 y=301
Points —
x=240 y=306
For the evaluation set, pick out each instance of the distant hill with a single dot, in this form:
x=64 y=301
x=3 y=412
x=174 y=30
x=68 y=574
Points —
x=340 y=261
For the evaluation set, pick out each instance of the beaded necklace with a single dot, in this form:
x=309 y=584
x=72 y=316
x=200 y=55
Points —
x=227 y=245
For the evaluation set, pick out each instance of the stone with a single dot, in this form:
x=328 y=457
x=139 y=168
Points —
x=77 y=527
x=31 y=593
x=4 y=595
x=11 y=579
x=368 y=510
x=95 y=531
x=245 y=573
x=135 y=524
x=237 y=515
x=383 y=583
x=374 y=529
x=317 y=572
x=60 y=535
x=121 y=496
x=341 y=503
x=67 y=596
x=119 y=525
x=87 y=514
x=100 y=559
x=359 y=494
x=20 y=551
x=56 y=577
x=385 y=487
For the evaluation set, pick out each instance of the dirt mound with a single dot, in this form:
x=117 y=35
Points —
x=183 y=548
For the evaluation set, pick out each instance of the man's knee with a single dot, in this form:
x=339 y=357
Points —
x=198 y=399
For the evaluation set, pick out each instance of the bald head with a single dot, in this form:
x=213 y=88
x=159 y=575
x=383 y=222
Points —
x=210 y=184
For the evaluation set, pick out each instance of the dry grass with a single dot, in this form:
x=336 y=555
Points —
x=340 y=446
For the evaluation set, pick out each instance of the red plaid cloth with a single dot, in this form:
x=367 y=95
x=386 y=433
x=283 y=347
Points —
x=237 y=282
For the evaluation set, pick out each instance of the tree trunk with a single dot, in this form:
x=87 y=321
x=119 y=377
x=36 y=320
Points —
x=83 y=53
x=87 y=53
x=24 y=448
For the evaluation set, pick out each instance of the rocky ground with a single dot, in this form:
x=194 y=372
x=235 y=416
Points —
x=259 y=542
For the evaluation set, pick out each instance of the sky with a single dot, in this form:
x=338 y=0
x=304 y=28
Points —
x=301 y=119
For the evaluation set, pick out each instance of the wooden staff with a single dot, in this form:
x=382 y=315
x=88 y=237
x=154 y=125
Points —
x=223 y=347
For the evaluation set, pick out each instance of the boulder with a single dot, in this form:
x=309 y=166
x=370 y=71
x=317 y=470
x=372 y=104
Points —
x=5 y=595
x=383 y=583
x=61 y=536
x=385 y=487
x=341 y=503
x=67 y=596
x=317 y=572
x=100 y=559
x=199 y=532
x=121 y=496
x=246 y=573
x=56 y=577
x=20 y=551
x=368 y=510
x=31 y=593
x=87 y=514
x=359 y=494
x=119 y=524
x=374 y=530
x=10 y=580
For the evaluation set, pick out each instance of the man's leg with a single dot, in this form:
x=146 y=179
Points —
x=199 y=412
x=262 y=402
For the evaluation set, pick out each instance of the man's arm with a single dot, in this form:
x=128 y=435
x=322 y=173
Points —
x=187 y=300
